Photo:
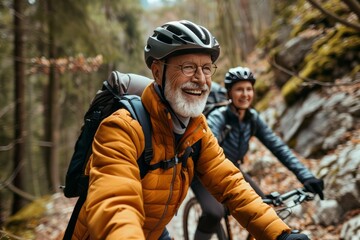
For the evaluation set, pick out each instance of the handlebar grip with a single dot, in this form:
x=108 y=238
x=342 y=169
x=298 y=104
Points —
x=268 y=201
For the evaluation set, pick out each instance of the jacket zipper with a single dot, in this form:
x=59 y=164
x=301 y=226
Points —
x=172 y=187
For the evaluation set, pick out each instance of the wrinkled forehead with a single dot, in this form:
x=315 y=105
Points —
x=199 y=58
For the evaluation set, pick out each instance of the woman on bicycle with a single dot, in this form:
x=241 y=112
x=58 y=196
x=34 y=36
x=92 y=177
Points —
x=233 y=126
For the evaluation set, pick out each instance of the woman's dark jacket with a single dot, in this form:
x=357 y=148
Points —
x=234 y=136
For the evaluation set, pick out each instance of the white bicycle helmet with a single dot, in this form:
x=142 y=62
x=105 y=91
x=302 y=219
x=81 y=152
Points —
x=238 y=74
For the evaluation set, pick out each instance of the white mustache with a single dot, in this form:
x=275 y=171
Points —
x=195 y=86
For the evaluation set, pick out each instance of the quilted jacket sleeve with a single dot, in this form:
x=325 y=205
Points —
x=114 y=203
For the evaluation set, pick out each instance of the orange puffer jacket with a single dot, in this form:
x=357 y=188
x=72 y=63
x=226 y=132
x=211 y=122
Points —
x=121 y=205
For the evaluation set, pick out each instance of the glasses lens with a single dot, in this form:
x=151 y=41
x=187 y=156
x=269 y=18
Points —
x=189 y=69
x=209 y=69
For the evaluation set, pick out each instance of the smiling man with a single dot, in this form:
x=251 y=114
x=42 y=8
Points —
x=121 y=205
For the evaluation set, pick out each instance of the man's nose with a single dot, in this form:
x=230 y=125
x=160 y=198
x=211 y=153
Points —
x=199 y=76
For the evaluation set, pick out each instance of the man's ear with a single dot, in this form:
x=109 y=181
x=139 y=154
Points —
x=156 y=72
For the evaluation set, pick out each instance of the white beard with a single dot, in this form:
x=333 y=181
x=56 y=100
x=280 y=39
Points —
x=183 y=106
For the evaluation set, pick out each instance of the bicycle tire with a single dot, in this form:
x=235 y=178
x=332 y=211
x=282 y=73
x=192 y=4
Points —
x=191 y=204
x=192 y=212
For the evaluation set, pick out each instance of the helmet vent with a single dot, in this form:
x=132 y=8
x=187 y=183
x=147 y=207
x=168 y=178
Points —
x=165 y=39
x=179 y=35
x=198 y=31
x=173 y=30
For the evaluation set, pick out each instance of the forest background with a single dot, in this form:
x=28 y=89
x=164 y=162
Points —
x=55 y=55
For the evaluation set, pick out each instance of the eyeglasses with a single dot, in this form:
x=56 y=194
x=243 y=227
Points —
x=189 y=68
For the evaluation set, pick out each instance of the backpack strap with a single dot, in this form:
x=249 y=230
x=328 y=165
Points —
x=195 y=153
x=74 y=216
x=134 y=105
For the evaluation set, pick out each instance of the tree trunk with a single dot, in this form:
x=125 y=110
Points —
x=229 y=40
x=52 y=109
x=19 y=73
x=249 y=42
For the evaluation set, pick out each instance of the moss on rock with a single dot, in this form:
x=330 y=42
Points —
x=328 y=54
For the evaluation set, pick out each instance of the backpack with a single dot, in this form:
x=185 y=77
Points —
x=118 y=91
x=113 y=95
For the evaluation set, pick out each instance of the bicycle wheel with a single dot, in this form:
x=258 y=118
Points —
x=192 y=213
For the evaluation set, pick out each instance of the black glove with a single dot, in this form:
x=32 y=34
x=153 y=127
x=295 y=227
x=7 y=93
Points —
x=315 y=185
x=293 y=236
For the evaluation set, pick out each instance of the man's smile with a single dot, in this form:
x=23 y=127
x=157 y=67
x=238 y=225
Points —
x=196 y=92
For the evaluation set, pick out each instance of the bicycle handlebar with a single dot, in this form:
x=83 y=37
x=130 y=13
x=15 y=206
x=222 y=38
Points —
x=278 y=199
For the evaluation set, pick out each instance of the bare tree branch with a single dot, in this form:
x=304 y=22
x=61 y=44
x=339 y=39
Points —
x=333 y=16
x=17 y=191
x=12 y=144
x=7 y=147
x=309 y=81
x=354 y=6
x=6 y=109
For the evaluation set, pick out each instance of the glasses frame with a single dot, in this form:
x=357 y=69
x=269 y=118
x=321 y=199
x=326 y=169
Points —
x=181 y=66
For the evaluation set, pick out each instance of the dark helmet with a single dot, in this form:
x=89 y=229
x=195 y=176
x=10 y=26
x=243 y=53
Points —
x=238 y=74
x=180 y=37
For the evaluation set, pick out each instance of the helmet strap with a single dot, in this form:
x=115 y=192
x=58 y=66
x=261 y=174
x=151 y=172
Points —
x=162 y=92
x=163 y=80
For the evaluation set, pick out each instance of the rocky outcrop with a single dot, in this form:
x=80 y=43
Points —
x=321 y=122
